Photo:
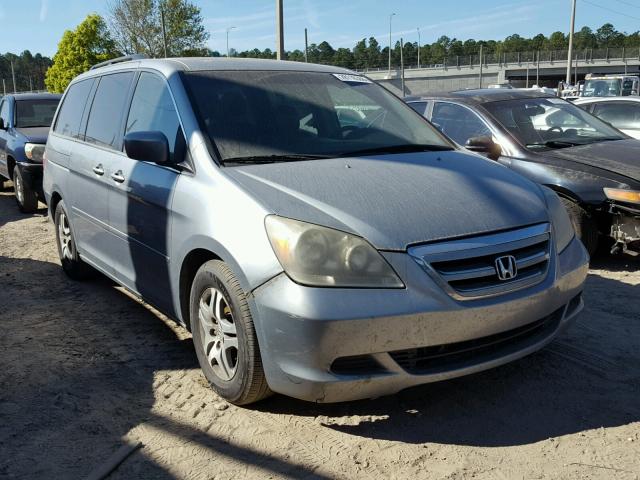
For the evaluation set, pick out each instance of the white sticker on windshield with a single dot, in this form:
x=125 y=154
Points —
x=346 y=77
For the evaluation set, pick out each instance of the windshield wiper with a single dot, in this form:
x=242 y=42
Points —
x=408 y=148
x=554 y=144
x=260 y=159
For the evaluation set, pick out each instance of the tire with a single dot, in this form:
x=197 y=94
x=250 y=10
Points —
x=70 y=260
x=583 y=224
x=224 y=335
x=26 y=198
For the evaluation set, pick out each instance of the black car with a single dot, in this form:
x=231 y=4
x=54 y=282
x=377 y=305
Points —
x=25 y=119
x=592 y=166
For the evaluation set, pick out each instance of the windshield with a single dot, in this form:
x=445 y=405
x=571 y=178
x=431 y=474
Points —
x=35 y=113
x=547 y=123
x=276 y=114
x=602 y=88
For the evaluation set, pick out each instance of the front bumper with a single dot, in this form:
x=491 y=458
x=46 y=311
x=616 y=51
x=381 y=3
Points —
x=331 y=345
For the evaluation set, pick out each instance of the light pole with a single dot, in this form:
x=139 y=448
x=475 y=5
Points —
x=390 y=18
x=570 y=53
x=418 y=47
x=228 y=30
x=279 y=30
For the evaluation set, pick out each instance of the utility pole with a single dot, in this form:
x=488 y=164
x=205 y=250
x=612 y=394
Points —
x=538 y=68
x=418 y=47
x=30 y=84
x=13 y=76
x=164 y=31
x=306 y=46
x=390 y=17
x=279 y=30
x=571 y=29
x=4 y=87
x=402 y=64
x=481 y=65
x=228 y=30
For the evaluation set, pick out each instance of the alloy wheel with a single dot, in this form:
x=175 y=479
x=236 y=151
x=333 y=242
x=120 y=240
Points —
x=64 y=233
x=17 y=183
x=218 y=333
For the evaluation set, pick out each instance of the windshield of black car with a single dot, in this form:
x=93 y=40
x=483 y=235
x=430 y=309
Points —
x=270 y=114
x=548 y=123
x=35 y=113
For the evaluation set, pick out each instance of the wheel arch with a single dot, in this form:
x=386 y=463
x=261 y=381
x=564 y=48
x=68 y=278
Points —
x=190 y=265
x=56 y=198
x=11 y=162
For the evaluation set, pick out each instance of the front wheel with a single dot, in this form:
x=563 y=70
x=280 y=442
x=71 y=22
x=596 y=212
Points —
x=25 y=197
x=586 y=229
x=224 y=335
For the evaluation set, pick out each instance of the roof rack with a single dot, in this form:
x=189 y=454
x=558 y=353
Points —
x=126 y=58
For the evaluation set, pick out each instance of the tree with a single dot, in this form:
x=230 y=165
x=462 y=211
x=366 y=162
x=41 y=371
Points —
x=136 y=26
x=608 y=36
x=79 y=49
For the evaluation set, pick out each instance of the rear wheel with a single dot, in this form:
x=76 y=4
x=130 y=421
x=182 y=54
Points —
x=586 y=229
x=71 y=262
x=224 y=335
x=25 y=197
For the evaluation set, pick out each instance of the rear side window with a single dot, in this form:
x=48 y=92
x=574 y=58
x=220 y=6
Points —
x=103 y=126
x=420 y=107
x=70 y=116
x=4 y=112
x=152 y=110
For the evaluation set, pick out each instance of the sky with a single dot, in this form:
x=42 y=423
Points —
x=37 y=25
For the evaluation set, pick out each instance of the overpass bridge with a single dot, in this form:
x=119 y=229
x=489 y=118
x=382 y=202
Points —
x=520 y=69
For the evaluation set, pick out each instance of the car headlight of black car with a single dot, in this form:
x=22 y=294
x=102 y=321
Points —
x=562 y=226
x=34 y=152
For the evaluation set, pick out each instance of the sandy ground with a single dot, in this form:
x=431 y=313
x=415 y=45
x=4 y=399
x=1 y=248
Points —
x=84 y=367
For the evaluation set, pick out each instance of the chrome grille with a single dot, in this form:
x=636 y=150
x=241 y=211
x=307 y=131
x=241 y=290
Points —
x=466 y=268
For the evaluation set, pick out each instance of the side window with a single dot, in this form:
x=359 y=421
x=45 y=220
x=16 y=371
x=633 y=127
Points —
x=457 y=122
x=4 y=112
x=70 y=115
x=618 y=114
x=420 y=107
x=152 y=110
x=103 y=126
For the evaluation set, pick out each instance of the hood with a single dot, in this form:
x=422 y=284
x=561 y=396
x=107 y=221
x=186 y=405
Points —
x=618 y=156
x=397 y=200
x=34 y=134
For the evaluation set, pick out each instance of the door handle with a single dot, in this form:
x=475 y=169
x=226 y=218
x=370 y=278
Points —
x=98 y=170
x=117 y=177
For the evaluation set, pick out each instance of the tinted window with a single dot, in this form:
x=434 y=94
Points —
x=618 y=114
x=153 y=109
x=458 y=123
x=70 y=116
x=103 y=126
x=420 y=107
x=35 y=113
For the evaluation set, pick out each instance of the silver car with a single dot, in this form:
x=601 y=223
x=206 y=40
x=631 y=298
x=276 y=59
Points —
x=320 y=255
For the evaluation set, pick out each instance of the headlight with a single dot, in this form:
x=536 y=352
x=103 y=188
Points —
x=622 y=195
x=321 y=256
x=560 y=220
x=34 y=151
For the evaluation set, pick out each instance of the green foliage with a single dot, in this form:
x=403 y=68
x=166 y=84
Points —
x=29 y=71
x=369 y=54
x=136 y=26
x=79 y=49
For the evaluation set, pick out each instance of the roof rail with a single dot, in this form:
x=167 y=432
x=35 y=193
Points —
x=126 y=58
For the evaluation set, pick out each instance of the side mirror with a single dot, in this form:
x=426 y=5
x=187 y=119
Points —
x=150 y=146
x=484 y=145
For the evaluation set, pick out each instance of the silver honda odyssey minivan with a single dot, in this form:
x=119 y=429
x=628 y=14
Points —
x=318 y=237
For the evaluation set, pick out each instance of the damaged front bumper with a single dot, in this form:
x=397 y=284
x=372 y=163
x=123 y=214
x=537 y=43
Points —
x=625 y=230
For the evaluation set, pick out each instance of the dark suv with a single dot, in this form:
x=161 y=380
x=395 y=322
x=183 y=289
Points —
x=25 y=119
